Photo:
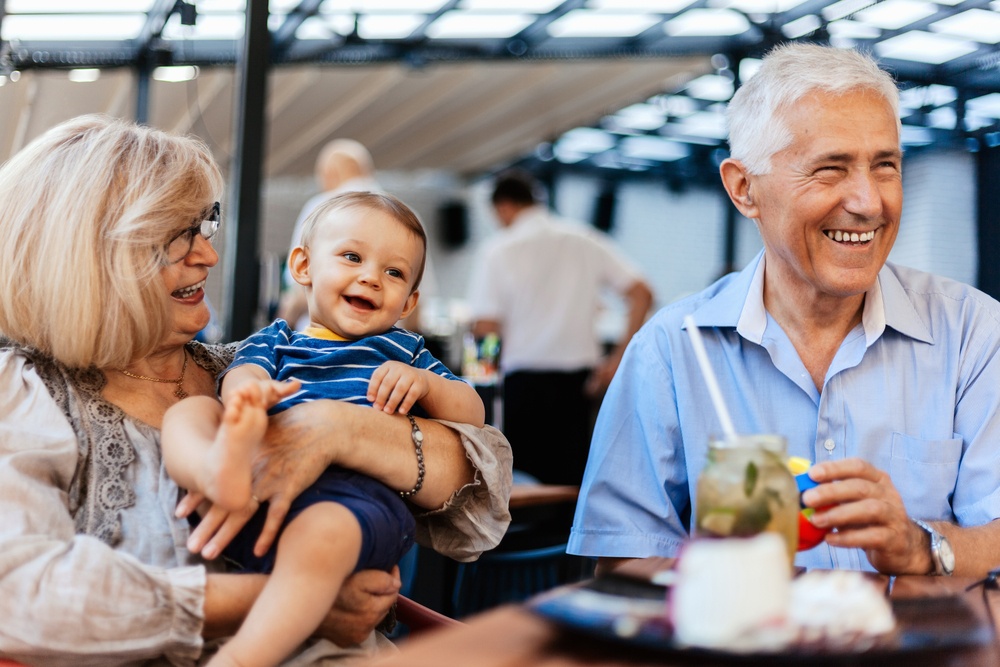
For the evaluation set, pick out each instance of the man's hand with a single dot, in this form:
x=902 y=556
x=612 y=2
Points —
x=866 y=512
x=396 y=387
x=600 y=377
x=364 y=600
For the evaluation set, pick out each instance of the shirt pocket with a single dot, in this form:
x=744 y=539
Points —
x=925 y=473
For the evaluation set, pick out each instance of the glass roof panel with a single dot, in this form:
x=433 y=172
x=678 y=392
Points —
x=707 y=124
x=477 y=25
x=658 y=6
x=913 y=135
x=926 y=96
x=894 y=14
x=638 y=117
x=588 y=139
x=594 y=23
x=677 y=106
x=924 y=47
x=394 y=6
x=76 y=6
x=842 y=8
x=209 y=26
x=705 y=22
x=801 y=26
x=282 y=6
x=846 y=29
x=388 y=26
x=987 y=105
x=710 y=87
x=325 y=26
x=980 y=25
x=75 y=27
x=653 y=148
x=943 y=118
x=216 y=6
x=517 y=6
x=757 y=6
x=175 y=73
x=86 y=75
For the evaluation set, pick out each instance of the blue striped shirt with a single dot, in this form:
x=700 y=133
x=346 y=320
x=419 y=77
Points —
x=332 y=368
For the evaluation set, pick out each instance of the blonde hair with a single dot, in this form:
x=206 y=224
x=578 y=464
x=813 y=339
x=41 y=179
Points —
x=85 y=211
x=788 y=72
x=387 y=204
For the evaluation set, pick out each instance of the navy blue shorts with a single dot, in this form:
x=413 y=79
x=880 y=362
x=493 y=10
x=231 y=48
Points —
x=387 y=525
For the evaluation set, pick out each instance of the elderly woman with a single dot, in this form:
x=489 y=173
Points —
x=105 y=231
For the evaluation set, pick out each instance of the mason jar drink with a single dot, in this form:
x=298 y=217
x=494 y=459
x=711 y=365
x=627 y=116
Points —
x=745 y=489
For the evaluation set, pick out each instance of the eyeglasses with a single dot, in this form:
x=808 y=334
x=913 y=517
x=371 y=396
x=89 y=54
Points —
x=181 y=245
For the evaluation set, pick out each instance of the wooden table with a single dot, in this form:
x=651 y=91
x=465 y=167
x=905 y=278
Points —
x=513 y=636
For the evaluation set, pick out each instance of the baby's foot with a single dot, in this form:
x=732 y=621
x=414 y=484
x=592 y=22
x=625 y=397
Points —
x=244 y=421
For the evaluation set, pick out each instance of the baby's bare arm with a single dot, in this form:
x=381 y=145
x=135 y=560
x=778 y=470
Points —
x=397 y=387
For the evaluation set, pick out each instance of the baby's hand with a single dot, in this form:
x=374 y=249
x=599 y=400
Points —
x=396 y=387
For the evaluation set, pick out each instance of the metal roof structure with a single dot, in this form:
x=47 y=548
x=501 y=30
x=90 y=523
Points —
x=468 y=85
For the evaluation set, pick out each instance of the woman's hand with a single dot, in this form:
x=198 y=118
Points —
x=364 y=600
x=216 y=528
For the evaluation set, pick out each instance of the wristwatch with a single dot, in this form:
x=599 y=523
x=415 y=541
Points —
x=941 y=551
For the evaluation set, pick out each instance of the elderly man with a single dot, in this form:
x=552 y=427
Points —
x=888 y=378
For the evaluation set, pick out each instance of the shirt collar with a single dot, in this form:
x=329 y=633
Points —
x=323 y=333
x=740 y=304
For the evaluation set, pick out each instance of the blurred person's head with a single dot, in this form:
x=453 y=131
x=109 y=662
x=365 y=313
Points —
x=94 y=213
x=361 y=260
x=342 y=160
x=514 y=191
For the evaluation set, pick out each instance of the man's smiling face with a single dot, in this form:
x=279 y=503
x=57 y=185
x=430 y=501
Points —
x=829 y=209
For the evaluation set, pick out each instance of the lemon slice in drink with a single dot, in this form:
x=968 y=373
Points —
x=718 y=522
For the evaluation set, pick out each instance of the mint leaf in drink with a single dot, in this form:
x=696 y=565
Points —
x=750 y=479
x=752 y=518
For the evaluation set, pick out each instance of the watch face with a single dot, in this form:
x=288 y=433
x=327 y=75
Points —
x=947 y=556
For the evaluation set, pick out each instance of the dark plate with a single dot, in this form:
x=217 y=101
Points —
x=628 y=611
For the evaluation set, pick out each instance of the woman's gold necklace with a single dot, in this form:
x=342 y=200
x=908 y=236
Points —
x=179 y=393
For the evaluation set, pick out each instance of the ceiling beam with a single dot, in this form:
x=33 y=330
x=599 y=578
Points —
x=284 y=35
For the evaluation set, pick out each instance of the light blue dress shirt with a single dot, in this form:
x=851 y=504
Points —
x=914 y=389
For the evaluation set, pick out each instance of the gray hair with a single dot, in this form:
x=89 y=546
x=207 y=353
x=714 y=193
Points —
x=789 y=72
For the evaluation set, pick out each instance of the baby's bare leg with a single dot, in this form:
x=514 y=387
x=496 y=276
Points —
x=227 y=476
x=316 y=552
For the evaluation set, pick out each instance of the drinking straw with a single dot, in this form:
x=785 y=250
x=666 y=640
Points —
x=706 y=372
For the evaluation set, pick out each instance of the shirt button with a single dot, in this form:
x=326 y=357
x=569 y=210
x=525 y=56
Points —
x=829 y=444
